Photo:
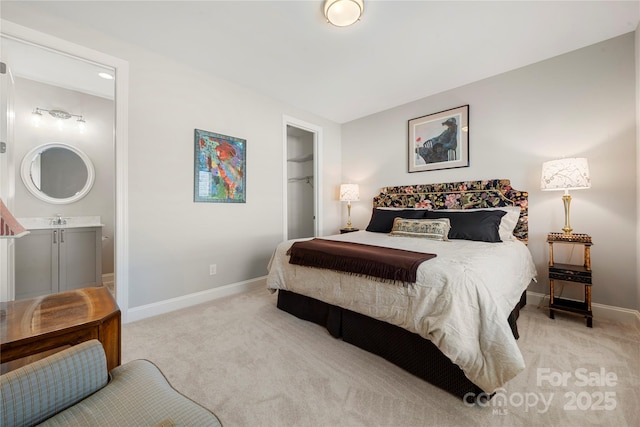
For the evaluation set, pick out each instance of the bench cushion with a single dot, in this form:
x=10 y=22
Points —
x=37 y=391
x=138 y=394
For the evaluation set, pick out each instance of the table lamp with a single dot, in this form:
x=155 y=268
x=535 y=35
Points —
x=565 y=174
x=349 y=193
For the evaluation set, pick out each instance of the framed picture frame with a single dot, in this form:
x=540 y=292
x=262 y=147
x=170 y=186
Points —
x=439 y=140
x=219 y=168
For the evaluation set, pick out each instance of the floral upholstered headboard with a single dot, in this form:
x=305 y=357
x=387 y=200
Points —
x=460 y=195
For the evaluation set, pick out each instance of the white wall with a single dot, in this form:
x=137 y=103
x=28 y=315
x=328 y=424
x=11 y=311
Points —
x=578 y=104
x=172 y=240
x=96 y=142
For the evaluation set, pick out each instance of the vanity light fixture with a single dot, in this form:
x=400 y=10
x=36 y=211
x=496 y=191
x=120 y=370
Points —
x=82 y=125
x=60 y=115
x=343 y=13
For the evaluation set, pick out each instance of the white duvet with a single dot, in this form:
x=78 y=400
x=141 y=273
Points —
x=460 y=301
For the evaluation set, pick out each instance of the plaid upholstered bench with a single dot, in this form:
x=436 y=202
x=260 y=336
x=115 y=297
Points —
x=73 y=388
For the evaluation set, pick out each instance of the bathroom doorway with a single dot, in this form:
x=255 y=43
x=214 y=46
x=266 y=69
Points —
x=46 y=81
x=55 y=84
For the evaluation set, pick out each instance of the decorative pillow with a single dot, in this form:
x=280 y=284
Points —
x=479 y=226
x=434 y=229
x=382 y=219
x=507 y=224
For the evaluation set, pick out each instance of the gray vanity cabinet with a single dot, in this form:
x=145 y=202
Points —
x=57 y=260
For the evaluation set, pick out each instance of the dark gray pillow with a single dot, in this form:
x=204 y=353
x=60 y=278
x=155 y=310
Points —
x=479 y=226
x=382 y=219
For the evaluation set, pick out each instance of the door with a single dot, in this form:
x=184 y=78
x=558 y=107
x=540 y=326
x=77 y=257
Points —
x=80 y=258
x=6 y=176
x=57 y=260
x=37 y=263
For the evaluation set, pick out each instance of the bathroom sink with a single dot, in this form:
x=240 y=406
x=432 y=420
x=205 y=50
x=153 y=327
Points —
x=66 y=222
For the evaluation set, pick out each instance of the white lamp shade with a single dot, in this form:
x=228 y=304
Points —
x=349 y=193
x=343 y=13
x=565 y=174
x=9 y=225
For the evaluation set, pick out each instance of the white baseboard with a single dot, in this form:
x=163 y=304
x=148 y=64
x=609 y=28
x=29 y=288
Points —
x=108 y=279
x=166 y=306
x=610 y=312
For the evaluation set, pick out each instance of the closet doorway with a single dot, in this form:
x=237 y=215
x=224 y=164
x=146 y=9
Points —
x=301 y=190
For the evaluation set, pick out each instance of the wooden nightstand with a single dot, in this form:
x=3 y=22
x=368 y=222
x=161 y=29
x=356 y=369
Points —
x=348 y=230
x=571 y=273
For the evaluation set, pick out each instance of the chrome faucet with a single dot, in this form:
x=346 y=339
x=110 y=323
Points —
x=58 y=220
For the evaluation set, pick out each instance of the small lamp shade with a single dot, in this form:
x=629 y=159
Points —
x=10 y=228
x=565 y=174
x=349 y=193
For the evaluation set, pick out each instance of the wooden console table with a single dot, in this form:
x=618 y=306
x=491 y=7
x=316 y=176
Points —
x=42 y=325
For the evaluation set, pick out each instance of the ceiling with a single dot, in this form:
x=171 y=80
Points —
x=53 y=68
x=399 y=52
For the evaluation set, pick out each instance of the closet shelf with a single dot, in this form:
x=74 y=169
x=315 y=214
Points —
x=301 y=178
x=301 y=159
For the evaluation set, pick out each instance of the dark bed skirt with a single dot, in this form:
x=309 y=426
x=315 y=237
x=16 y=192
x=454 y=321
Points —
x=403 y=348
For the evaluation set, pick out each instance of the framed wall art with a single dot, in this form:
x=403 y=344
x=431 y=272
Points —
x=220 y=168
x=439 y=140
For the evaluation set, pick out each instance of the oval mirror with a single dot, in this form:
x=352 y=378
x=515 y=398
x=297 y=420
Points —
x=57 y=173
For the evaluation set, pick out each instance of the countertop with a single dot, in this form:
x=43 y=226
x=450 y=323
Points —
x=71 y=222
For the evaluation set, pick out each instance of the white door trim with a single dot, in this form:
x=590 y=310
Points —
x=317 y=168
x=121 y=68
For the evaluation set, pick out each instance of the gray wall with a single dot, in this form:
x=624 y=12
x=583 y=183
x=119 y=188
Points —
x=582 y=103
x=96 y=142
x=578 y=104
x=172 y=240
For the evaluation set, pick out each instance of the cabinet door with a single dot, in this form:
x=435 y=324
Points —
x=36 y=271
x=80 y=258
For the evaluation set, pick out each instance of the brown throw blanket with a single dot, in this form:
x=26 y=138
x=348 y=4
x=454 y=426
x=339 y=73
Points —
x=394 y=265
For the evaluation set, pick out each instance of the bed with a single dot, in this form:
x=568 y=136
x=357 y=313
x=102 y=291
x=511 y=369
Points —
x=455 y=326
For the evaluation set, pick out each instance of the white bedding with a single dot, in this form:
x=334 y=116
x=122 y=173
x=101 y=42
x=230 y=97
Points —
x=460 y=301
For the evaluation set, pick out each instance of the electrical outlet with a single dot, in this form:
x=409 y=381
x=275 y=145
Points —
x=213 y=269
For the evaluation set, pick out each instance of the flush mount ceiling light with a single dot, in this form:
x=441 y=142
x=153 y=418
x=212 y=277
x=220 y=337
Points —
x=343 y=13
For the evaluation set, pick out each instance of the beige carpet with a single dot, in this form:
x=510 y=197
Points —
x=254 y=365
